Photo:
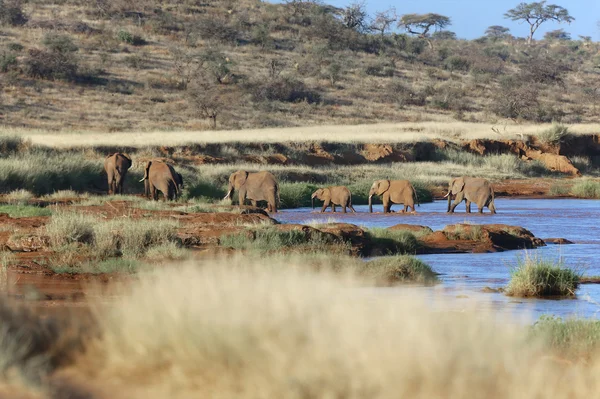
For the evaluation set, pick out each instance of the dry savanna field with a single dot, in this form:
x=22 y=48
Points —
x=122 y=296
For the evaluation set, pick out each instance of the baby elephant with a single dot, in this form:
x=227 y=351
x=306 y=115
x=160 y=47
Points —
x=338 y=195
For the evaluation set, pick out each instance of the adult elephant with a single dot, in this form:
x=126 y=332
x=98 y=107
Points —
x=258 y=186
x=471 y=189
x=116 y=167
x=336 y=195
x=393 y=192
x=160 y=176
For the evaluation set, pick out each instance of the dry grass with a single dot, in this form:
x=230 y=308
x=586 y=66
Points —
x=405 y=132
x=190 y=333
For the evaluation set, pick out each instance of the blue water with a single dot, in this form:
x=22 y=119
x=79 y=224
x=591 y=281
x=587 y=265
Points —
x=463 y=276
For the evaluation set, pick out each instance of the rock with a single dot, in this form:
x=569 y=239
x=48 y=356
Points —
x=207 y=159
x=421 y=230
x=559 y=241
x=383 y=153
x=557 y=163
x=489 y=290
x=28 y=243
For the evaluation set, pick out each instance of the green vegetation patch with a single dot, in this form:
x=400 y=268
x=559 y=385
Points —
x=393 y=241
x=22 y=211
x=538 y=277
x=586 y=189
x=398 y=269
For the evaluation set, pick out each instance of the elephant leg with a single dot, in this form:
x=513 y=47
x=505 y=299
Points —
x=351 y=208
x=154 y=192
x=332 y=207
x=468 y=206
x=343 y=208
x=458 y=200
x=324 y=207
x=253 y=202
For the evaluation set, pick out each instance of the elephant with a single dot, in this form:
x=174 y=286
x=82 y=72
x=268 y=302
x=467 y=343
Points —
x=471 y=189
x=337 y=195
x=394 y=192
x=116 y=167
x=160 y=176
x=257 y=186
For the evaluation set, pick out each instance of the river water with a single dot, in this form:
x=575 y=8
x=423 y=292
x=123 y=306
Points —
x=464 y=276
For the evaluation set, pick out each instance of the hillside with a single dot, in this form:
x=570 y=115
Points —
x=115 y=65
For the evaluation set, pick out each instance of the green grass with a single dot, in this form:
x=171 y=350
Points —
x=573 y=337
x=559 y=190
x=393 y=242
x=535 y=276
x=111 y=265
x=554 y=135
x=586 y=189
x=470 y=232
x=296 y=195
x=269 y=239
x=22 y=211
x=398 y=269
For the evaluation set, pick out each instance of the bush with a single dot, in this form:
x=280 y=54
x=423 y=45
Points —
x=380 y=69
x=71 y=227
x=19 y=196
x=284 y=89
x=15 y=47
x=58 y=43
x=457 y=63
x=402 y=95
x=50 y=65
x=213 y=28
x=556 y=134
x=516 y=101
x=8 y=62
x=574 y=338
x=11 y=13
x=296 y=195
x=398 y=269
x=130 y=38
x=537 y=277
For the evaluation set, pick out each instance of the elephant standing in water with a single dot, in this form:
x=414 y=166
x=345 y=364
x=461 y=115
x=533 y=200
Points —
x=159 y=176
x=259 y=186
x=116 y=167
x=394 y=192
x=337 y=195
x=471 y=189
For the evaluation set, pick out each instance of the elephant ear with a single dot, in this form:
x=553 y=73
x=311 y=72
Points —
x=383 y=186
x=147 y=168
x=128 y=158
x=457 y=186
x=240 y=178
x=326 y=193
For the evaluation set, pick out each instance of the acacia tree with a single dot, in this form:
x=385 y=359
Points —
x=355 y=16
x=497 y=32
x=536 y=13
x=383 y=21
x=422 y=24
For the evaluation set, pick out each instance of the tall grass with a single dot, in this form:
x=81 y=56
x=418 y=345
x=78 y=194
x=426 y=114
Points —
x=586 y=189
x=398 y=269
x=572 y=337
x=393 y=241
x=557 y=133
x=535 y=276
x=228 y=329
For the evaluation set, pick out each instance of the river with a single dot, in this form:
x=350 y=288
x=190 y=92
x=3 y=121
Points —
x=464 y=276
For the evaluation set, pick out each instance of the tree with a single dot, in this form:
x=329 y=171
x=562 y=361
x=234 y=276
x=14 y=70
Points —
x=558 y=34
x=383 y=21
x=301 y=7
x=207 y=101
x=496 y=32
x=421 y=24
x=444 y=35
x=536 y=13
x=355 y=16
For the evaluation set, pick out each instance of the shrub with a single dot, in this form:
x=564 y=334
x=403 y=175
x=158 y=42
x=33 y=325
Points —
x=20 y=196
x=284 y=89
x=403 y=95
x=538 y=277
x=457 y=63
x=398 y=269
x=393 y=241
x=554 y=135
x=59 y=43
x=586 y=189
x=213 y=28
x=11 y=13
x=518 y=101
x=8 y=62
x=15 y=47
x=296 y=195
x=70 y=227
x=11 y=145
x=130 y=38
x=50 y=65
x=380 y=69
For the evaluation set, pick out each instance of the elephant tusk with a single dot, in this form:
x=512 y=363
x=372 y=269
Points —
x=446 y=196
x=142 y=179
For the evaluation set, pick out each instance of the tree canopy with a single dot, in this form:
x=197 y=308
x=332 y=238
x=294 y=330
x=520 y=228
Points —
x=421 y=24
x=536 y=13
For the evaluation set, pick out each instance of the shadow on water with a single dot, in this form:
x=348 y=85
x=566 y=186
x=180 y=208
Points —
x=464 y=276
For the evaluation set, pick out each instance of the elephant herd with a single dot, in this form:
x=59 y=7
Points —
x=262 y=186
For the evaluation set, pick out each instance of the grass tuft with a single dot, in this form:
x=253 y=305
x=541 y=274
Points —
x=586 y=189
x=398 y=269
x=393 y=241
x=574 y=337
x=555 y=134
x=20 y=197
x=538 y=277
x=23 y=211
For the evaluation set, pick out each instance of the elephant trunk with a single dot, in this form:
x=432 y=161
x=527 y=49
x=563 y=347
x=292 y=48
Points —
x=371 y=203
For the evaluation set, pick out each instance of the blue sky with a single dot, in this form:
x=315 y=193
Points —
x=470 y=18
